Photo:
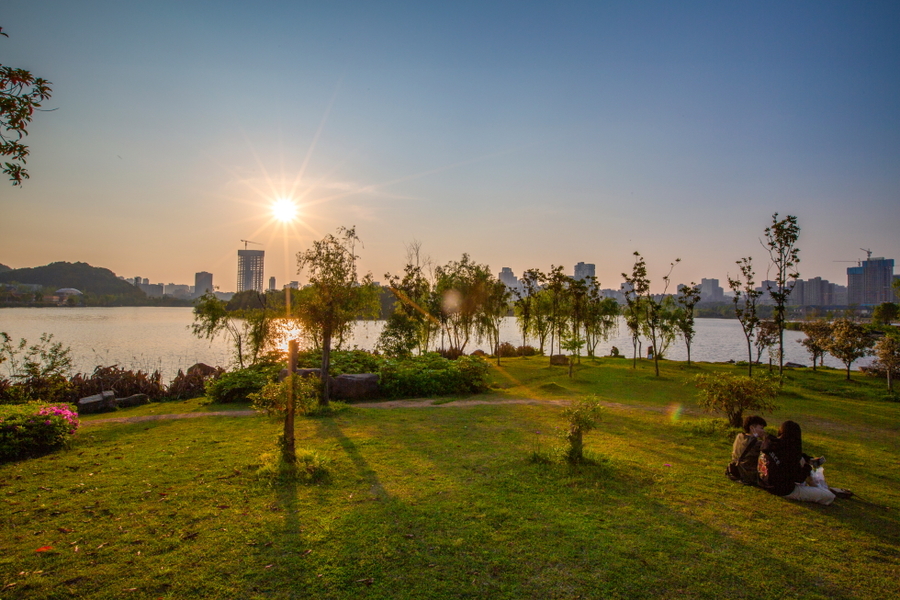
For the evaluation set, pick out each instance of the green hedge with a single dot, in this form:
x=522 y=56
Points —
x=34 y=428
x=432 y=375
x=236 y=386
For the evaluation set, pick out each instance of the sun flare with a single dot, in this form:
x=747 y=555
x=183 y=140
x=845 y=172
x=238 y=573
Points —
x=284 y=210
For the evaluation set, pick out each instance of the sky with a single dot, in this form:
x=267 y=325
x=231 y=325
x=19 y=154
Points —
x=524 y=134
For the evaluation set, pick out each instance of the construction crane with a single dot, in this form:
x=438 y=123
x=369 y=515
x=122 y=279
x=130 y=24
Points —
x=249 y=242
x=868 y=253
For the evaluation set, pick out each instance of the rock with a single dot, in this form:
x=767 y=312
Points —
x=559 y=359
x=133 y=400
x=301 y=372
x=793 y=365
x=355 y=387
x=102 y=402
x=203 y=370
x=479 y=353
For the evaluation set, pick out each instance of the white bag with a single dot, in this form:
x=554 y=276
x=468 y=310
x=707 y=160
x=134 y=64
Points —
x=817 y=478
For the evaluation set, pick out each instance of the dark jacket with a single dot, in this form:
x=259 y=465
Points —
x=744 y=457
x=779 y=466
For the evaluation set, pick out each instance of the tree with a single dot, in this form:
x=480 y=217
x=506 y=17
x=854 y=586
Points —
x=734 y=394
x=818 y=334
x=887 y=350
x=600 y=319
x=688 y=297
x=555 y=286
x=335 y=297
x=743 y=288
x=462 y=286
x=885 y=313
x=249 y=328
x=650 y=309
x=494 y=309
x=849 y=342
x=416 y=298
x=781 y=243
x=524 y=304
x=766 y=338
x=21 y=93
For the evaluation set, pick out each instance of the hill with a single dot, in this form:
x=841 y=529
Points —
x=96 y=281
x=4 y=268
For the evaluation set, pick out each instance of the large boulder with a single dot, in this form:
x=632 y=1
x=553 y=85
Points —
x=359 y=386
x=559 y=359
x=102 y=402
x=133 y=400
x=203 y=370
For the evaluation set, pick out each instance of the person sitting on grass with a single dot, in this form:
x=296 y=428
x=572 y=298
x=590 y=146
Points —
x=783 y=468
x=745 y=452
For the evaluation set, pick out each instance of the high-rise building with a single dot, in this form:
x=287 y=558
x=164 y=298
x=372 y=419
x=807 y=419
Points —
x=272 y=283
x=870 y=283
x=711 y=291
x=507 y=276
x=250 y=270
x=585 y=270
x=203 y=283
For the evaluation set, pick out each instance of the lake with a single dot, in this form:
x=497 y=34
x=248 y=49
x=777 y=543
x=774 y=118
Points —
x=151 y=338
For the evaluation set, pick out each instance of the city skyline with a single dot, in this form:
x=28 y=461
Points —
x=549 y=135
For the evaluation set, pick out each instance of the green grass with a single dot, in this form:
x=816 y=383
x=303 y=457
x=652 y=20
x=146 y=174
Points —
x=443 y=501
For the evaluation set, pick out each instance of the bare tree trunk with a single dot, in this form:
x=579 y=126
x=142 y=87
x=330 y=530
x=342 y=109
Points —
x=289 y=451
x=326 y=363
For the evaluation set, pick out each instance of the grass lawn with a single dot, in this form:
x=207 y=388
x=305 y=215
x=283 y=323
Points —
x=442 y=501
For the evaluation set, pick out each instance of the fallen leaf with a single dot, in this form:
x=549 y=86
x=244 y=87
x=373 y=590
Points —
x=268 y=566
x=65 y=530
x=190 y=536
x=367 y=581
x=44 y=549
x=307 y=552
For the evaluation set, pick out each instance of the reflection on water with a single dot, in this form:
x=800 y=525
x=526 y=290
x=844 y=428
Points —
x=152 y=338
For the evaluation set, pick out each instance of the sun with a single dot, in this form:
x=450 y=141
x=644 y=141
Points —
x=284 y=210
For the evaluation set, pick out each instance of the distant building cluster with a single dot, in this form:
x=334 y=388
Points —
x=868 y=284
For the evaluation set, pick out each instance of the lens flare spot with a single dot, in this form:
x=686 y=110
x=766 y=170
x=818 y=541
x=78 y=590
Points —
x=675 y=411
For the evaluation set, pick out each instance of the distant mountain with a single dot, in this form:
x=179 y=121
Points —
x=81 y=276
x=4 y=268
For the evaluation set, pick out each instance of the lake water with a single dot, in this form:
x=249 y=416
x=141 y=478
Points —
x=152 y=338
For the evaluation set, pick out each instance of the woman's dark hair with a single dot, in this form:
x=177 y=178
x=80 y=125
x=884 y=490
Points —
x=789 y=432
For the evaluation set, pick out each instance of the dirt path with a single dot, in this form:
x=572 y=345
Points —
x=426 y=403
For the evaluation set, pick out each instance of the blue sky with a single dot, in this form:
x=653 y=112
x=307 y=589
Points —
x=524 y=134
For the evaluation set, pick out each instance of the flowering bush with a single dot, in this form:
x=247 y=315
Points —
x=34 y=428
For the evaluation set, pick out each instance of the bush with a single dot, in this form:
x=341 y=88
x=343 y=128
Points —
x=432 y=375
x=193 y=383
x=342 y=361
x=734 y=394
x=273 y=398
x=526 y=350
x=507 y=350
x=124 y=382
x=236 y=386
x=35 y=428
x=310 y=468
x=581 y=416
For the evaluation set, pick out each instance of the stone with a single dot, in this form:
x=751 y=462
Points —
x=204 y=370
x=102 y=402
x=301 y=372
x=559 y=359
x=479 y=353
x=133 y=400
x=793 y=365
x=359 y=386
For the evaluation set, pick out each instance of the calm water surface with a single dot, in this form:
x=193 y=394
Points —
x=152 y=338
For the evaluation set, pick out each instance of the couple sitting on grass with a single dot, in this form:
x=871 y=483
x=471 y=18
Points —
x=778 y=464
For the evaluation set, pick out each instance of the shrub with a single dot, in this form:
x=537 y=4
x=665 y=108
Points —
x=236 y=386
x=193 y=383
x=273 y=398
x=342 y=361
x=37 y=372
x=526 y=350
x=507 y=350
x=311 y=467
x=432 y=375
x=35 y=428
x=125 y=382
x=731 y=395
x=582 y=416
